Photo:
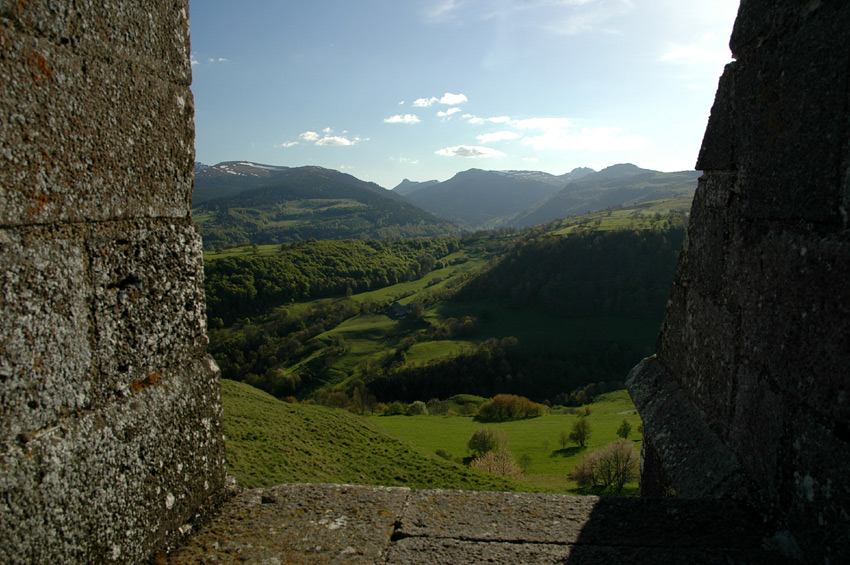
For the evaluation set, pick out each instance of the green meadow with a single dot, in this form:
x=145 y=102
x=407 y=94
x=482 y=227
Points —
x=534 y=442
x=271 y=442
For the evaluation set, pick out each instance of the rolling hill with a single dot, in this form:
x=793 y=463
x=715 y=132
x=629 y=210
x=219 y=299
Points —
x=246 y=203
x=618 y=185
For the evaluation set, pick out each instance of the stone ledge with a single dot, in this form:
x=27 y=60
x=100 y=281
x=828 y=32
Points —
x=312 y=523
x=681 y=436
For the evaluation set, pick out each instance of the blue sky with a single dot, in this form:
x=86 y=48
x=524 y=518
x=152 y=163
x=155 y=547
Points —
x=422 y=89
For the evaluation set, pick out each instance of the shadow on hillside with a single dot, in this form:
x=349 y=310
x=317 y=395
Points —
x=567 y=451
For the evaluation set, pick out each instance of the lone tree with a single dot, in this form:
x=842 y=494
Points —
x=498 y=462
x=580 y=432
x=624 y=430
x=611 y=467
x=487 y=439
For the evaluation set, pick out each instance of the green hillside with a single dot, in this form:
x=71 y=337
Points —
x=297 y=204
x=271 y=442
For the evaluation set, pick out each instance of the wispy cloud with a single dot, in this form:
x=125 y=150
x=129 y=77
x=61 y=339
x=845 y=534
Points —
x=424 y=102
x=403 y=119
x=405 y=160
x=469 y=151
x=328 y=140
x=498 y=136
x=441 y=10
x=708 y=48
x=447 y=113
x=286 y=144
x=561 y=17
x=195 y=60
x=589 y=139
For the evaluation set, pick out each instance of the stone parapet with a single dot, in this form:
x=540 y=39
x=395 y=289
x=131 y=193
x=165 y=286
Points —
x=111 y=443
x=757 y=331
x=354 y=524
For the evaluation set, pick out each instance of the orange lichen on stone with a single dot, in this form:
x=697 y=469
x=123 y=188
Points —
x=41 y=70
x=150 y=380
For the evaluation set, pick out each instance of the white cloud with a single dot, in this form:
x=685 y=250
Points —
x=287 y=144
x=449 y=112
x=327 y=130
x=469 y=151
x=473 y=119
x=424 y=102
x=499 y=119
x=531 y=159
x=448 y=98
x=309 y=136
x=498 y=136
x=401 y=103
x=403 y=119
x=451 y=99
x=194 y=60
x=334 y=141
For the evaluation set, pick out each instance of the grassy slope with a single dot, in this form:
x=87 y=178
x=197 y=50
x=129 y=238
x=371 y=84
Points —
x=537 y=438
x=271 y=442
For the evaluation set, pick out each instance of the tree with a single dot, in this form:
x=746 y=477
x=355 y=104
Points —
x=499 y=462
x=624 y=430
x=487 y=439
x=580 y=432
x=417 y=408
x=611 y=467
x=564 y=439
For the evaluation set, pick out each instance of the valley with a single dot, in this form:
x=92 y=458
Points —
x=379 y=328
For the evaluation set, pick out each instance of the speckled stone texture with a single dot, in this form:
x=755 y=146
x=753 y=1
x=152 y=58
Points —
x=354 y=524
x=111 y=445
x=756 y=336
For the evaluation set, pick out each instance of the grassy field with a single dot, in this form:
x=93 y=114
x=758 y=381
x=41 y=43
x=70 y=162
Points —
x=534 y=441
x=271 y=442
x=638 y=217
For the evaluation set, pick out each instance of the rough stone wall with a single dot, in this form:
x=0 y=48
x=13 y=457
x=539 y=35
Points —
x=748 y=393
x=110 y=424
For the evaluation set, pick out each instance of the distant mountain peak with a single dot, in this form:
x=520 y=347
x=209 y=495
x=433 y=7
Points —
x=408 y=186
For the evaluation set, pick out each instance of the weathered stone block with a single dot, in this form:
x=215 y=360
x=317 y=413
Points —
x=788 y=139
x=681 y=436
x=759 y=19
x=300 y=524
x=111 y=484
x=45 y=357
x=148 y=303
x=718 y=144
x=797 y=333
x=153 y=34
x=78 y=146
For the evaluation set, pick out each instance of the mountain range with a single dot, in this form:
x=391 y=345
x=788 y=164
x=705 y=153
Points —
x=239 y=202
x=478 y=199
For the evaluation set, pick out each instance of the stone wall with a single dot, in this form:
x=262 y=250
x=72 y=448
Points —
x=110 y=424
x=748 y=394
